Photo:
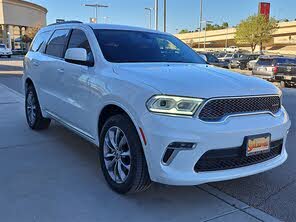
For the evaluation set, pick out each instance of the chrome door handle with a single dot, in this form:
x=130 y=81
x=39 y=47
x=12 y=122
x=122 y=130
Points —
x=35 y=64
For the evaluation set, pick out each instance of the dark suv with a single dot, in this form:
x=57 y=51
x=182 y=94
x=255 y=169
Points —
x=281 y=69
x=242 y=61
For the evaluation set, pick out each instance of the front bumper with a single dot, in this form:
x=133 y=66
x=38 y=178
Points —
x=161 y=130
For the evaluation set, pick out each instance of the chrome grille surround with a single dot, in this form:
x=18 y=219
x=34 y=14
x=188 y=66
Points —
x=218 y=109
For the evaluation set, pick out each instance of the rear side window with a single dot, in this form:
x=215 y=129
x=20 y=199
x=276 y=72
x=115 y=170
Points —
x=39 y=40
x=58 y=43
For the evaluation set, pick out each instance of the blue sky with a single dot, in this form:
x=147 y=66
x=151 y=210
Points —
x=181 y=13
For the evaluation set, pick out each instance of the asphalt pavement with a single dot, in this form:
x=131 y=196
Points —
x=54 y=176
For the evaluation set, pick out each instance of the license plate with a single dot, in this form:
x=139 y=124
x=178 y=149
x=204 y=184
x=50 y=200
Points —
x=258 y=144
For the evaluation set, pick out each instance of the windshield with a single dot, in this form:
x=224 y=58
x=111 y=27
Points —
x=2 y=47
x=120 y=46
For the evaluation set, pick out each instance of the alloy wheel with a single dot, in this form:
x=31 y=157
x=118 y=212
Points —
x=117 y=155
x=31 y=107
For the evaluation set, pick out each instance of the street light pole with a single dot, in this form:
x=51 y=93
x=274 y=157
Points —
x=164 y=15
x=150 y=16
x=156 y=14
x=200 y=21
x=205 y=36
x=96 y=6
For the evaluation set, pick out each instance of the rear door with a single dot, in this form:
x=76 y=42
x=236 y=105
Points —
x=52 y=82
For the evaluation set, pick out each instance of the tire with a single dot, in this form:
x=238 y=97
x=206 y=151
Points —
x=134 y=176
x=34 y=116
x=9 y=56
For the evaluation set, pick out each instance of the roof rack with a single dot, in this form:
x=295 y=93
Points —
x=66 y=22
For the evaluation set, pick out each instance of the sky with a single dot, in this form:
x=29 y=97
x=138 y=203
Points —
x=181 y=14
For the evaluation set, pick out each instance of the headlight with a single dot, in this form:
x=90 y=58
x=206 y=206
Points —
x=173 y=105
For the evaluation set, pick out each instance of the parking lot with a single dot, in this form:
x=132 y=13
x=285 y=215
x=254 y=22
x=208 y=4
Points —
x=54 y=176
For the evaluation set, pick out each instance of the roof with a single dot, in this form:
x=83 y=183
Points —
x=106 y=26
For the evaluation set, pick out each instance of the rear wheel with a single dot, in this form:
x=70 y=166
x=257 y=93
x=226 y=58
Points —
x=122 y=158
x=34 y=116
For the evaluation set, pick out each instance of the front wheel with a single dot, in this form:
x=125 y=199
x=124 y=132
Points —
x=34 y=116
x=122 y=158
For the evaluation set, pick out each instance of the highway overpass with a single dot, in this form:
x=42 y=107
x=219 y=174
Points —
x=284 y=39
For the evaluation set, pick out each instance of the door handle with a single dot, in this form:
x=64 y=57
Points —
x=61 y=70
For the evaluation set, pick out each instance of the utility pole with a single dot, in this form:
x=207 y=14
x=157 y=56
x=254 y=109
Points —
x=164 y=15
x=156 y=14
x=200 y=22
x=150 y=16
x=96 y=6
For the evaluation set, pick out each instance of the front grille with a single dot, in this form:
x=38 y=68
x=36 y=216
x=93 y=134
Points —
x=217 y=109
x=224 y=159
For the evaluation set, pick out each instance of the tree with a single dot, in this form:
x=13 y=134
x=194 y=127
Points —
x=30 y=34
x=184 y=31
x=255 y=30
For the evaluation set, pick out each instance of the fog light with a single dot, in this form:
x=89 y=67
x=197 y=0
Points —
x=173 y=149
x=182 y=145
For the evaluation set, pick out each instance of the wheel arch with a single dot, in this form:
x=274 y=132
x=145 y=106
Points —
x=111 y=109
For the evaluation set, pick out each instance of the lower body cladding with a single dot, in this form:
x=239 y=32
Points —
x=188 y=151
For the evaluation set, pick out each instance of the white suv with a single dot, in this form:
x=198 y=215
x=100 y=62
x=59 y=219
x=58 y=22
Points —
x=156 y=111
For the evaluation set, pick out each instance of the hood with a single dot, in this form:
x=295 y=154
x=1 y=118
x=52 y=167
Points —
x=194 y=80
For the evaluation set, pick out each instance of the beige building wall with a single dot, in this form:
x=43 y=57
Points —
x=22 y=13
x=16 y=16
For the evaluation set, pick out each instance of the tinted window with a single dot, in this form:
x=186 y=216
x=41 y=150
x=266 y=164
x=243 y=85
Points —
x=39 y=40
x=265 y=62
x=121 y=46
x=57 y=43
x=79 y=40
x=285 y=61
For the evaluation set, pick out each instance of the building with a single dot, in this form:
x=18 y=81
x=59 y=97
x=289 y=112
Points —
x=284 y=39
x=16 y=16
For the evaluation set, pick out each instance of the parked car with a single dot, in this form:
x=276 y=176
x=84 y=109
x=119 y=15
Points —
x=4 y=51
x=220 y=54
x=213 y=60
x=267 y=67
x=232 y=49
x=242 y=61
x=153 y=107
x=229 y=56
x=285 y=71
x=251 y=64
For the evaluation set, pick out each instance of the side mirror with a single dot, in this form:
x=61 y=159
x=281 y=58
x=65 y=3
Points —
x=78 y=56
x=203 y=57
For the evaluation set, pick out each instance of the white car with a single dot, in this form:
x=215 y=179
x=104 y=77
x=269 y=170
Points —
x=156 y=111
x=4 y=51
x=232 y=49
